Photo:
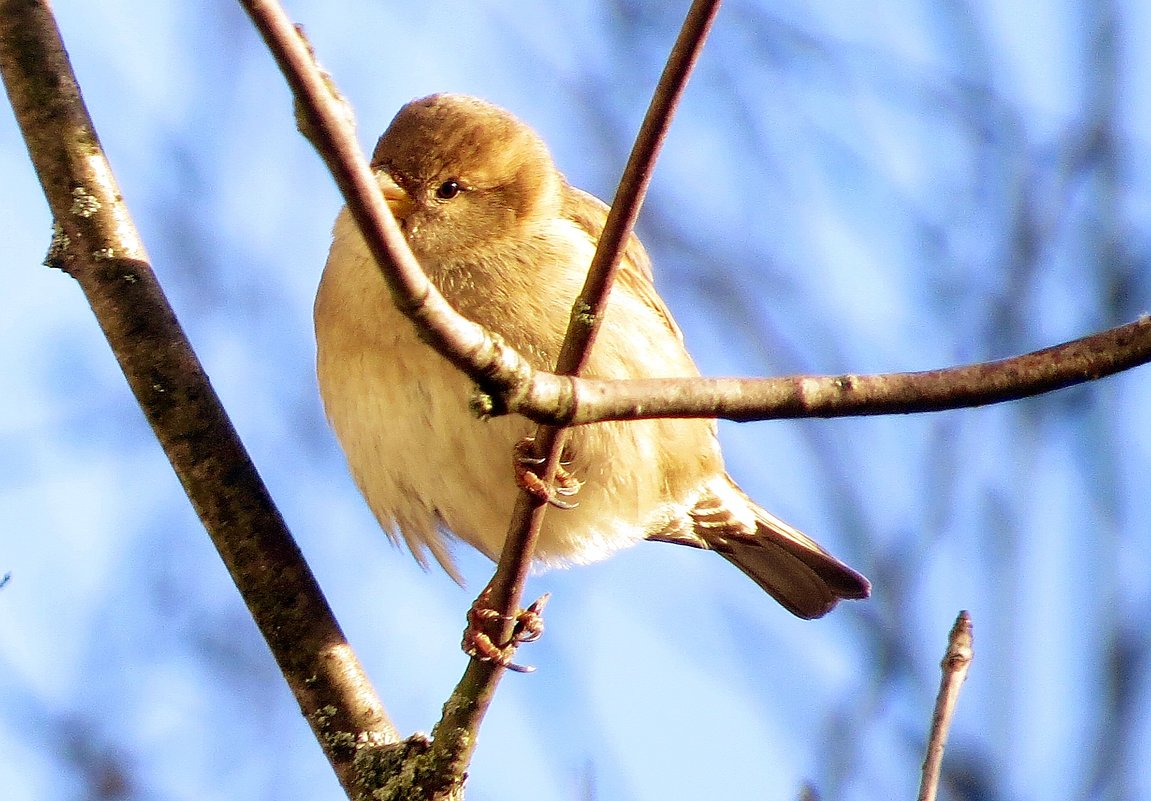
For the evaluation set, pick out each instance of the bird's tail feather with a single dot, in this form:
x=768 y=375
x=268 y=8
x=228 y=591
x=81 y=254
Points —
x=785 y=562
x=793 y=568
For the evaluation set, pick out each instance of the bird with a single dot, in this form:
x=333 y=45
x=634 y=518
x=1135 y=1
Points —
x=508 y=241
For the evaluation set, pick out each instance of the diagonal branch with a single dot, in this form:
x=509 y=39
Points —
x=954 y=666
x=97 y=244
x=455 y=734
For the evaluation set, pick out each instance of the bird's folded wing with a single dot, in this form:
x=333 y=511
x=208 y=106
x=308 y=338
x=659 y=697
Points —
x=635 y=273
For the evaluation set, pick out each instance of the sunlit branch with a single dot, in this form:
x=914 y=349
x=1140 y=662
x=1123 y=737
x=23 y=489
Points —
x=954 y=666
x=97 y=244
x=743 y=399
x=465 y=709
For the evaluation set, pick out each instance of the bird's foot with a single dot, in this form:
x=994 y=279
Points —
x=480 y=642
x=565 y=483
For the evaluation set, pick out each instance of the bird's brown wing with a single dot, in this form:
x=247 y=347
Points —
x=635 y=274
x=785 y=562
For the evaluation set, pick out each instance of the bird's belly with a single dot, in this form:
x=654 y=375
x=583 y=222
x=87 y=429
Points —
x=421 y=459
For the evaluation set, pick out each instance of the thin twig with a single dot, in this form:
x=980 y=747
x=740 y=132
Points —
x=454 y=737
x=98 y=245
x=954 y=666
x=591 y=304
x=1076 y=362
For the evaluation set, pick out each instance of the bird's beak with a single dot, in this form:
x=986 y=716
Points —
x=399 y=201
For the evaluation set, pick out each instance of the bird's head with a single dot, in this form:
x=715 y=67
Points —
x=466 y=173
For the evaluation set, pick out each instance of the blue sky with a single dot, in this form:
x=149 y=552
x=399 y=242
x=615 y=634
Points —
x=848 y=188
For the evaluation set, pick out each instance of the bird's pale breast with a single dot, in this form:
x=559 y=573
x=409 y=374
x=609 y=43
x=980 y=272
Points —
x=421 y=458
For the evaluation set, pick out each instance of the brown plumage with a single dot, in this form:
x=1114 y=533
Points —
x=508 y=242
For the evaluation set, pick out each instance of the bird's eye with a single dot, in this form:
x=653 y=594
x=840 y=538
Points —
x=448 y=189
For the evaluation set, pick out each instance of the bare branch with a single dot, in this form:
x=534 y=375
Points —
x=954 y=665
x=454 y=737
x=743 y=399
x=98 y=245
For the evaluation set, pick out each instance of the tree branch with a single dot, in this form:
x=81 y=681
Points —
x=744 y=399
x=954 y=666
x=97 y=244
x=455 y=735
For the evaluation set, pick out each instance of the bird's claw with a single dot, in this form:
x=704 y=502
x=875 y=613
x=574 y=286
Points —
x=478 y=642
x=565 y=483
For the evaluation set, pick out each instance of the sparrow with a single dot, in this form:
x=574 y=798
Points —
x=508 y=242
